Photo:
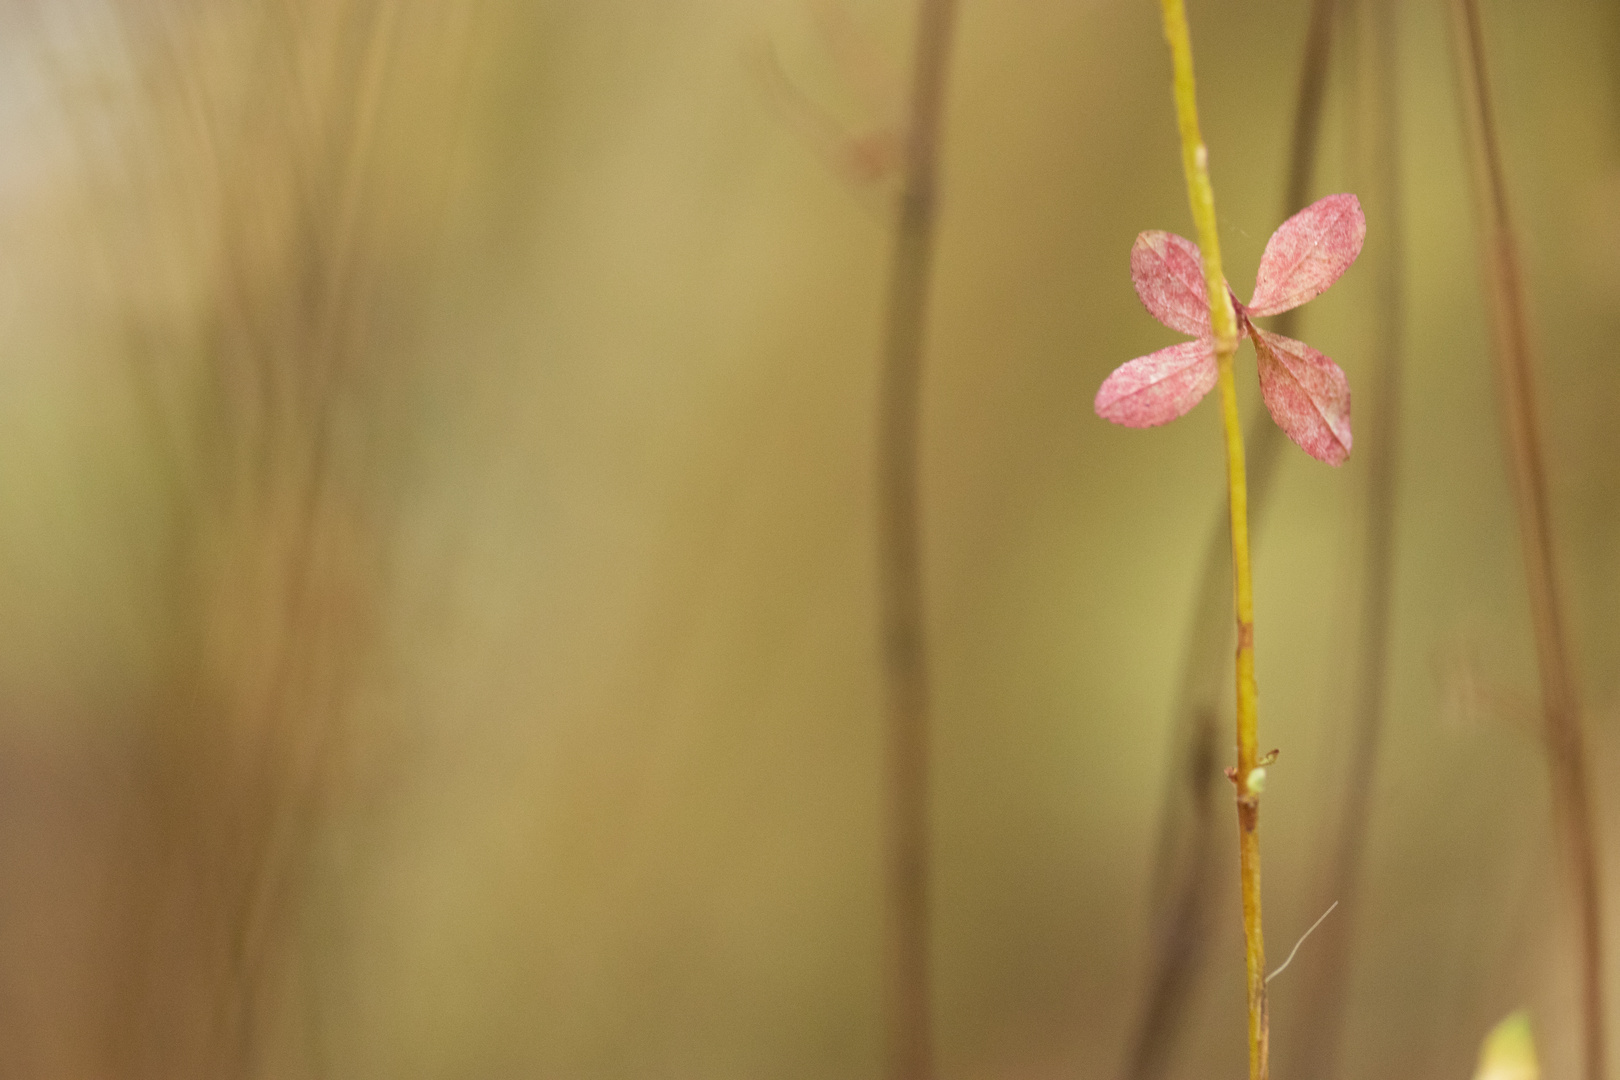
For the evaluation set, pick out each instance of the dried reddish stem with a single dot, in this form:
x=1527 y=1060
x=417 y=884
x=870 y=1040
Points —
x=1566 y=751
x=903 y=642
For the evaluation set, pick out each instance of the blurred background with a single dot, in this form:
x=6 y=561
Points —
x=437 y=576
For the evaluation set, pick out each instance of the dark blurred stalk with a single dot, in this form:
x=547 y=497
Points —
x=1321 y=1015
x=1185 y=871
x=264 y=587
x=909 y=1051
x=1508 y=307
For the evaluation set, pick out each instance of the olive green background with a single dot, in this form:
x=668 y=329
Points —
x=579 y=774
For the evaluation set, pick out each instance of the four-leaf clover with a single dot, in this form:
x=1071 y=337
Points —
x=1305 y=391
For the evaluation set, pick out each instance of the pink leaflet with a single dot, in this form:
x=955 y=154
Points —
x=1157 y=388
x=1306 y=394
x=1169 y=275
x=1307 y=253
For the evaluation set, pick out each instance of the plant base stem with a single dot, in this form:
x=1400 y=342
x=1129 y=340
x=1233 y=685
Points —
x=1249 y=775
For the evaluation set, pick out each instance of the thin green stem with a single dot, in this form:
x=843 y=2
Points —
x=1186 y=861
x=1248 y=774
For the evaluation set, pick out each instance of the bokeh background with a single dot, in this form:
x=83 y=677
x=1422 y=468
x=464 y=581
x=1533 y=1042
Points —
x=437 y=575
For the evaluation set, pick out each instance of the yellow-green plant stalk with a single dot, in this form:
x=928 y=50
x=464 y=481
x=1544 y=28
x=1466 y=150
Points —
x=1250 y=774
x=1181 y=285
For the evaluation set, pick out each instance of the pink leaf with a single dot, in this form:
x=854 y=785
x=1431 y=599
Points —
x=1157 y=388
x=1307 y=253
x=1169 y=275
x=1307 y=395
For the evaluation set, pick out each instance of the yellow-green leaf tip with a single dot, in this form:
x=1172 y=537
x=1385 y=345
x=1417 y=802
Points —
x=1509 y=1051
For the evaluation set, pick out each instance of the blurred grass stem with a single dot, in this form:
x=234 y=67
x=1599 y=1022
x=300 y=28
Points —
x=908 y=1054
x=1509 y=314
x=1321 y=1019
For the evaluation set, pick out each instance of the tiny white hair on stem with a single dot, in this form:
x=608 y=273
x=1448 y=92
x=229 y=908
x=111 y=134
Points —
x=1291 y=953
